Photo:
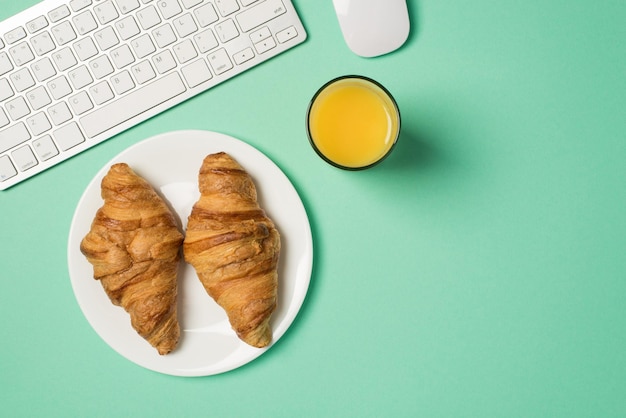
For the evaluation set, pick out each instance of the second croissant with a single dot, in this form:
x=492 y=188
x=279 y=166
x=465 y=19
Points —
x=234 y=248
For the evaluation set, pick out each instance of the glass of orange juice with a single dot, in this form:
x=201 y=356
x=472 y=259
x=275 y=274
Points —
x=353 y=122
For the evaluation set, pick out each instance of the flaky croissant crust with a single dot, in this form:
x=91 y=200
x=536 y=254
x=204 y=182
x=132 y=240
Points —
x=134 y=245
x=234 y=248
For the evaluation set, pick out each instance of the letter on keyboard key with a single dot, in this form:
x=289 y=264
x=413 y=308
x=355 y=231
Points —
x=13 y=136
x=164 y=61
x=259 y=14
x=68 y=136
x=148 y=17
x=133 y=104
x=169 y=8
x=17 y=108
x=59 y=113
x=43 y=69
x=80 y=103
x=22 y=79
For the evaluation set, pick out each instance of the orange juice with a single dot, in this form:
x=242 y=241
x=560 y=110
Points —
x=353 y=122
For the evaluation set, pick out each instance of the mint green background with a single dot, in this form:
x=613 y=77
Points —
x=478 y=272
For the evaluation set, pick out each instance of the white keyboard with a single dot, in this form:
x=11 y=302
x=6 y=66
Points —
x=75 y=73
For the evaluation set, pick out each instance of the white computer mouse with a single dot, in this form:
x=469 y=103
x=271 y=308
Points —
x=373 y=27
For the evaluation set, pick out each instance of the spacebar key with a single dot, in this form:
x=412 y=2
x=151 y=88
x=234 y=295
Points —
x=131 y=105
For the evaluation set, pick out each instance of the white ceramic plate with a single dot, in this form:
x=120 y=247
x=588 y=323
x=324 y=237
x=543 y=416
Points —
x=208 y=345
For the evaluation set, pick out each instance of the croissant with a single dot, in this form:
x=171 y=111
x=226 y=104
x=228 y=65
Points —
x=134 y=246
x=234 y=248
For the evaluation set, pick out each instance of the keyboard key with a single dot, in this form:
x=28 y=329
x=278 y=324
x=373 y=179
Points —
x=106 y=38
x=80 y=77
x=101 y=92
x=38 y=98
x=17 y=108
x=21 y=54
x=127 y=6
x=148 y=17
x=127 y=27
x=226 y=30
x=42 y=43
x=206 y=15
x=122 y=56
x=58 y=13
x=15 y=35
x=85 y=48
x=227 y=7
x=188 y=4
x=196 y=73
x=22 y=79
x=4 y=119
x=260 y=34
x=219 y=61
x=78 y=5
x=68 y=136
x=7 y=170
x=64 y=59
x=185 y=51
x=63 y=33
x=43 y=69
x=38 y=123
x=5 y=89
x=261 y=13
x=164 y=61
x=101 y=67
x=59 y=113
x=133 y=104
x=185 y=25
x=24 y=158
x=37 y=24
x=164 y=35
x=169 y=8
x=105 y=12
x=243 y=56
x=13 y=136
x=5 y=63
x=84 y=22
x=265 y=45
x=286 y=34
x=59 y=87
x=45 y=148
x=143 y=72
x=80 y=103
x=205 y=41
x=142 y=46
x=122 y=82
